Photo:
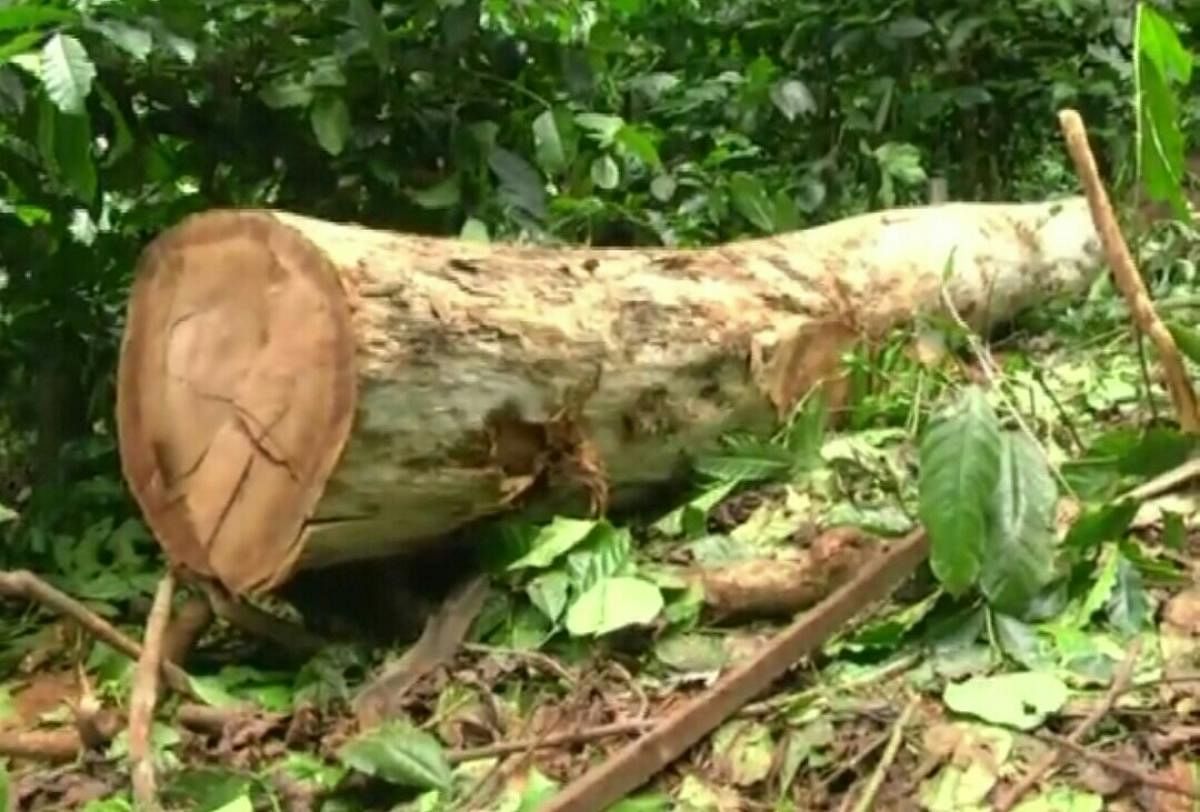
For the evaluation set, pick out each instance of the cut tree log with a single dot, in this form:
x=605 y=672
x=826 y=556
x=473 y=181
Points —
x=294 y=393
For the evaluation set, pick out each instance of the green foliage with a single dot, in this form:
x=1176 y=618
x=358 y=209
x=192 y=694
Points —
x=960 y=468
x=400 y=754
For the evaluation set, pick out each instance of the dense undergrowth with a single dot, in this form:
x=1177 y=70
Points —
x=632 y=122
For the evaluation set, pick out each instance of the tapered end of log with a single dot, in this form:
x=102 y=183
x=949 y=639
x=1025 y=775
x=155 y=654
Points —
x=236 y=392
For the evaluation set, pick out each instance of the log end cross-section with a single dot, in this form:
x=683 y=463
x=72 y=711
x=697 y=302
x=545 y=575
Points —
x=236 y=392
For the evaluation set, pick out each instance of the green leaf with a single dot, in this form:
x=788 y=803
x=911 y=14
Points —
x=692 y=653
x=1128 y=607
x=519 y=182
x=603 y=553
x=745 y=750
x=443 y=195
x=603 y=128
x=548 y=144
x=548 y=592
x=6 y=800
x=605 y=172
x=27 y=15
x=474 y=231
x=792 y=98
x=907 y=28
x=663 y=188
x=1160 y=61
x=67 y=73
x=331 y=123
x=960 y=468
x=1018 y=553
x=368 y=22
x=554 y=540
x=747 y=461
x=65 y=142
x=137 y=42
x=1187 y=339
x=19 y=45
x=638 y=143
x=238 y=804
x=614 y=603
x=751 y=201
x=1021 y=700
x=400 y=754
x=1097 y=525
x=286 y=92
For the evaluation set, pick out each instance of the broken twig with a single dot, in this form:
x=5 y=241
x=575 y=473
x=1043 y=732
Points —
x=867 y=801
x=25 y=585
x=443 y=634
x=145 y=696
x=631 y=767
x=1125 y=272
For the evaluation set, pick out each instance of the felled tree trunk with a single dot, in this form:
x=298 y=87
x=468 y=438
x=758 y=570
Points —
x=294 y=393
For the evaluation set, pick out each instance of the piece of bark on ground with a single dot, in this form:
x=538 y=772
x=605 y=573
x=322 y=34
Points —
x=790 y=583
x=392 y=388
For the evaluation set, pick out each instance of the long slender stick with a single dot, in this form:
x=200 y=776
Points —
x=639 y=761
x=145 y=697
x=1125 y=272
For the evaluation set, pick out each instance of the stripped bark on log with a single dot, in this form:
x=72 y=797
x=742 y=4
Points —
x=295 y=393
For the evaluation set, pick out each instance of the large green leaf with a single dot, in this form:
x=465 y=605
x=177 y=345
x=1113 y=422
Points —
x=519 y=182
x=1020 y=700
x=1018 y=554
x=1161 y=60
x=400 y=754
x=137 y=42
x=67 y=73
x=614 y=603
x=331 y=123
x=548 y=143
x=554 y=540
x=960 y=467
x=751 y=201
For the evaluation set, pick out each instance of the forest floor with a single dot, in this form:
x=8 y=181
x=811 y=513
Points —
x=926 y=702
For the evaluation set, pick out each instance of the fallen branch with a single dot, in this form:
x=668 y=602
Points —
x=1125 y=272
x=1166 y=481
x=145 y=696
x=25 y=585
x=1119 y=685
x=60 y=745
x=444 y=632
x=642 y=759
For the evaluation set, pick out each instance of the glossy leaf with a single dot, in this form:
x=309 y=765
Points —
x=331 y=123
x=67 y=73
x=614 y=603
x=1019 y=549
x=960 y=469
x=399 y=754
x=752 y=202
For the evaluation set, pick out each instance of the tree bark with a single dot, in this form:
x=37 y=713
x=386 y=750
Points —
x=294 y=393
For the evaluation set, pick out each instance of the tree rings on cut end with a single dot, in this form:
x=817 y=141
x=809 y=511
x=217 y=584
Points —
x=236 y=392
